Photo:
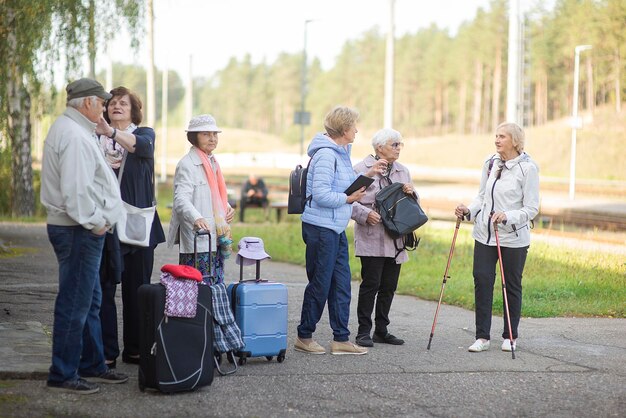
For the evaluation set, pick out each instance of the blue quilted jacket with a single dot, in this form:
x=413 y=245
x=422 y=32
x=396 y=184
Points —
x=330 y=173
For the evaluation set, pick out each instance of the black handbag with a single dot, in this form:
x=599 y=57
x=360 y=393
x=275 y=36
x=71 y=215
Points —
x=401 y=213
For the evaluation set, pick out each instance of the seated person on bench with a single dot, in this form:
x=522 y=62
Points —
x=253 y=193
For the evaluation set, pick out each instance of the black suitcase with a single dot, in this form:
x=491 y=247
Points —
x=176 y=354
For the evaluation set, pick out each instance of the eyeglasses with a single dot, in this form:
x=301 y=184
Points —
x=397 y=145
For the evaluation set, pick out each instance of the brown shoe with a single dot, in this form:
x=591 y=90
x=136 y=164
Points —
x=346 y=347
x=310 y=348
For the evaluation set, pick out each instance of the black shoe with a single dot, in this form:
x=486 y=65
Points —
x=364 y=341
x=388 y=339
x=108 y=377
x=78 y=386
x=130 y=359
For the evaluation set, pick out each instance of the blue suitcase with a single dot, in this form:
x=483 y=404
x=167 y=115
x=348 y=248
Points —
x=260 y=309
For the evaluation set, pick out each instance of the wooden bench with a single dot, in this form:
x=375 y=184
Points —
x=247 y=206
x=280 y=207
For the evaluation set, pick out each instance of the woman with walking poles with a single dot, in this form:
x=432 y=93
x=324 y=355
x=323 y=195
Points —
x=507 y=201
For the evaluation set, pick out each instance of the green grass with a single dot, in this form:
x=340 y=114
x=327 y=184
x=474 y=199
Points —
x=558 y=281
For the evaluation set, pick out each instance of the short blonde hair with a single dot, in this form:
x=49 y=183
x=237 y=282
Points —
x=339 y=120
x=517 y=134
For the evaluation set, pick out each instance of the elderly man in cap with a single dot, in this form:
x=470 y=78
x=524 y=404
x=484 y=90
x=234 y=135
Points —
x=82 y=199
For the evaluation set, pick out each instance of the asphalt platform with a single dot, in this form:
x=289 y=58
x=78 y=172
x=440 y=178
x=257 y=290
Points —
x=564 y=367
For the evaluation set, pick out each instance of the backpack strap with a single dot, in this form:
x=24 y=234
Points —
x=310 y=197
x=410 y=242
x=491 y=161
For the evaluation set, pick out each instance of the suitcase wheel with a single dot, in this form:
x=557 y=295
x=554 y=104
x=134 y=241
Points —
x=280 y=358
x=242 y=360
x=269 y=358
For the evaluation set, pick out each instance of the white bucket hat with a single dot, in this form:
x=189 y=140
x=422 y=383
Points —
x=203 y=123
x=251 y=249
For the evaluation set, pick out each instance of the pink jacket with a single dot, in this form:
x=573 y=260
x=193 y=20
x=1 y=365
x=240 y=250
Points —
x=373 y=240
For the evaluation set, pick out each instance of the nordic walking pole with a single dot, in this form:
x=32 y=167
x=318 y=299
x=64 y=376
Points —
x=445 y=278
x=506 y=300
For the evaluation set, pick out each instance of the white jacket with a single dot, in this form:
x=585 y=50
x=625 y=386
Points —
x=192 y=200
x=511 y=187
x=77 y=185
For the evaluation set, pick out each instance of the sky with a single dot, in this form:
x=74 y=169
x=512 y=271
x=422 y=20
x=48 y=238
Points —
x=211 y=32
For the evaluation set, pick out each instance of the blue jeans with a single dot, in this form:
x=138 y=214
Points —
x=328 y=271
x=76 y=336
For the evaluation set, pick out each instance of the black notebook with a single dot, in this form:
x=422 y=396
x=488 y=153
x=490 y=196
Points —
x=361 y=181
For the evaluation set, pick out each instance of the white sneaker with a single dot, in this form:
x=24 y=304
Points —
x=506 y=345
x=479 y=346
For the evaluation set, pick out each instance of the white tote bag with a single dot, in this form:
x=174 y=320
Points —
x=135 y=225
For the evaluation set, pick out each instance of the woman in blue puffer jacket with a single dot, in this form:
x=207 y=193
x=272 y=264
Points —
x=324 y=221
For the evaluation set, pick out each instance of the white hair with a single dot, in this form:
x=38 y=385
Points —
x=79 y=102
x=516 y=132
x=381 y=137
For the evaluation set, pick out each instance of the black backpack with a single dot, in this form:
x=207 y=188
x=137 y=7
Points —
x=297 y=189
x=401 y=215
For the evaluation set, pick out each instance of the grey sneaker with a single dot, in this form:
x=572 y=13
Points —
x=78 y=386
x=109 y=376
x=346 y=347
x=364 y=340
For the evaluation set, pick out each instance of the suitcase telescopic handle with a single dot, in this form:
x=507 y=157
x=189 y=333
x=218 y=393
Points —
x=258 y=271
x=197 y=234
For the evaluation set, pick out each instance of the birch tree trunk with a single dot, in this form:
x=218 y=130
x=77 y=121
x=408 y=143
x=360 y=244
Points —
x=496 y=88
x=618 y=88
x=478 y=95
x=541 y=99
x=18 y=106
x=438 y=116
x=462 y=108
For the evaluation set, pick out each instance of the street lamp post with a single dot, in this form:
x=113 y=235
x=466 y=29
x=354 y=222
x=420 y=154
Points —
x=302 y=119
x=576 y=124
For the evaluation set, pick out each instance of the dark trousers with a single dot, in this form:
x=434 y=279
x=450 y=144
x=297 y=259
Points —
x=379 y=282
x=108 y=317
x=111 y=268
x=251 y=201
x=137 y=271
x=485 y=260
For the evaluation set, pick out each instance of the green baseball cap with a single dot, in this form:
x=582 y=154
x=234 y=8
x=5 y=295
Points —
x=85 y=87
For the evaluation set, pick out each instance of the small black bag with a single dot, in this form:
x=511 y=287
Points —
x=297 y=189
x=401 y=213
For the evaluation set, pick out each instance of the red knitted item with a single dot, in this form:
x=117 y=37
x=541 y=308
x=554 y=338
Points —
x=182 y=272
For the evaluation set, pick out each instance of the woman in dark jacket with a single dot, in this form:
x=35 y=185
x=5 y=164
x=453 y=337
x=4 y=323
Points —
x=129 y=150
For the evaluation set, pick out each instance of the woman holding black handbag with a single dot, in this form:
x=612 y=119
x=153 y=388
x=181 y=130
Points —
x=380 y=261
x=129 y=151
